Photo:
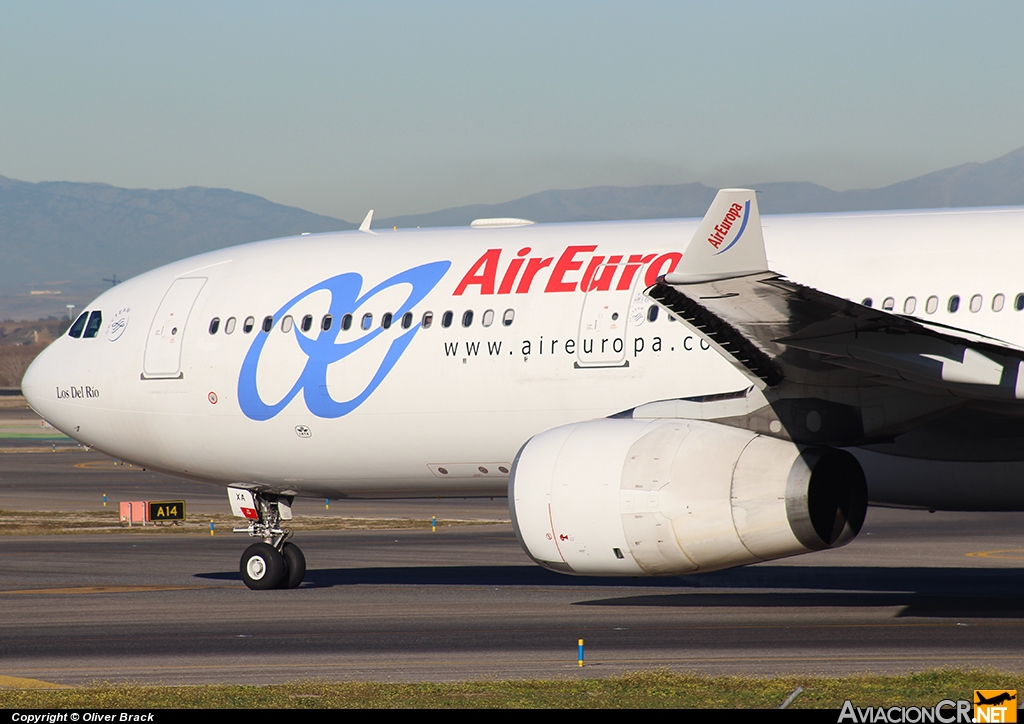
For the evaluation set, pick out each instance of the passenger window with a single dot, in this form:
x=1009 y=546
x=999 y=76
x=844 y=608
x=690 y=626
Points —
x=888 y=304
x=214 y=325
x=997 y=303
x=652 y=313
x=932 y=304
x=367 y=321
x=909 y=305
x=307 y=322
x=467 y=318
x=488 y=319
x=248 y=324
x=867 y=302
x=385 y=320
x=407 y=320
x=286 y=324
x=78 y=326
x=954 y=303
x=325 y=323
x=1018 y=303
x=446 y=319
x=268 y=324
x=428 y=319
x=346 y=322
x=976 y=302
x=507 y=318
x=229 y=326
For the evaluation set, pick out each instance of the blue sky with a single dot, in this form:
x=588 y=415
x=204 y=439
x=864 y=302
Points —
x=414 y=106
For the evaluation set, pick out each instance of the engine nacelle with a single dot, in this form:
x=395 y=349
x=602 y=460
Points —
x=669 y=497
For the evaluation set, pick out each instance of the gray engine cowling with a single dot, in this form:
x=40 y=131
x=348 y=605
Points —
x=670 y=497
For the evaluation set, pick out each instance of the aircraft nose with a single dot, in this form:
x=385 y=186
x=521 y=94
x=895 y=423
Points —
x=39 y=385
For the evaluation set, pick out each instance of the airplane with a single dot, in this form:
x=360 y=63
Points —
x=997 y=700
x=657 y=397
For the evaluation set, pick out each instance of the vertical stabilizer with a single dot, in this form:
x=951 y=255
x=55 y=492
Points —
x=728 y=242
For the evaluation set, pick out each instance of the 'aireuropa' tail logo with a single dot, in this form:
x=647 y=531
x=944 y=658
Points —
x=720 y=234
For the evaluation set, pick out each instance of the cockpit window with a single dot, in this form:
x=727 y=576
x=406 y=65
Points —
x=78 y=326
x=93 y=327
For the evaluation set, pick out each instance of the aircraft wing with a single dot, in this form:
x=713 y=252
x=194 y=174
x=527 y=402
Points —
x=776 y=331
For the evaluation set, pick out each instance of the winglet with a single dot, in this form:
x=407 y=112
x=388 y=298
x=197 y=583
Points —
x=365 y=226
x=728 y=243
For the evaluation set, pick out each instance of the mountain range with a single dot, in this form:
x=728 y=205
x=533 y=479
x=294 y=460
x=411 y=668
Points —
x=996 y=183
x=70 y=236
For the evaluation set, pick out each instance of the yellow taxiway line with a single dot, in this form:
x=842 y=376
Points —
x=103 y=589
x=1015 y=553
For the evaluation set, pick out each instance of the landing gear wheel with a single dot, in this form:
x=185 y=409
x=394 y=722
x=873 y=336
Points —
x=263 y=568
x=296 y=565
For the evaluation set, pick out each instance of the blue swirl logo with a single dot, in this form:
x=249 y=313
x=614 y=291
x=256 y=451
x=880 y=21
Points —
x=743 y=227
x=324 y=350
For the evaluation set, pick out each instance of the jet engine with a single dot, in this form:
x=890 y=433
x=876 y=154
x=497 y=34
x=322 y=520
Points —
x=669 y=497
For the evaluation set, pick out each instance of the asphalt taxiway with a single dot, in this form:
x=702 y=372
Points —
x=914 y=591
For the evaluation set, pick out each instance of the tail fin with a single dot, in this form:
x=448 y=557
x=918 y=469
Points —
x=728 y=242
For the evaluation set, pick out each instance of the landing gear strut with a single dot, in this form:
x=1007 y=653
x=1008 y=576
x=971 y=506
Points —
x=273 y=563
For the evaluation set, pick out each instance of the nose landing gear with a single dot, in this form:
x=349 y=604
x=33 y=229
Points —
x=263 y=567
x=273 y=563
x=296 y=563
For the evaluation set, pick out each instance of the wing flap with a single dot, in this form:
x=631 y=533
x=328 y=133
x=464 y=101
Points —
x=776 y=331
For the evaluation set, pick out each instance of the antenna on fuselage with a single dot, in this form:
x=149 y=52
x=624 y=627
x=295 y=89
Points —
x=365 y=226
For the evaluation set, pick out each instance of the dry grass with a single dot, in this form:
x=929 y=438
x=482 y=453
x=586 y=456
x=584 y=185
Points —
x=650 y=689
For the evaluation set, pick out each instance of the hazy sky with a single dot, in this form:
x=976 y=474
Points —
x=406 y=107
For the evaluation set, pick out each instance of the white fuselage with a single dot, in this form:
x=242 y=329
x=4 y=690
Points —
x=423 y=410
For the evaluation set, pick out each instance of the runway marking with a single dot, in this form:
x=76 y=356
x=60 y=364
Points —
x=19 y=450
x=1014 y=553
x=103 y=465
x=105 y=589
x=16 y=682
